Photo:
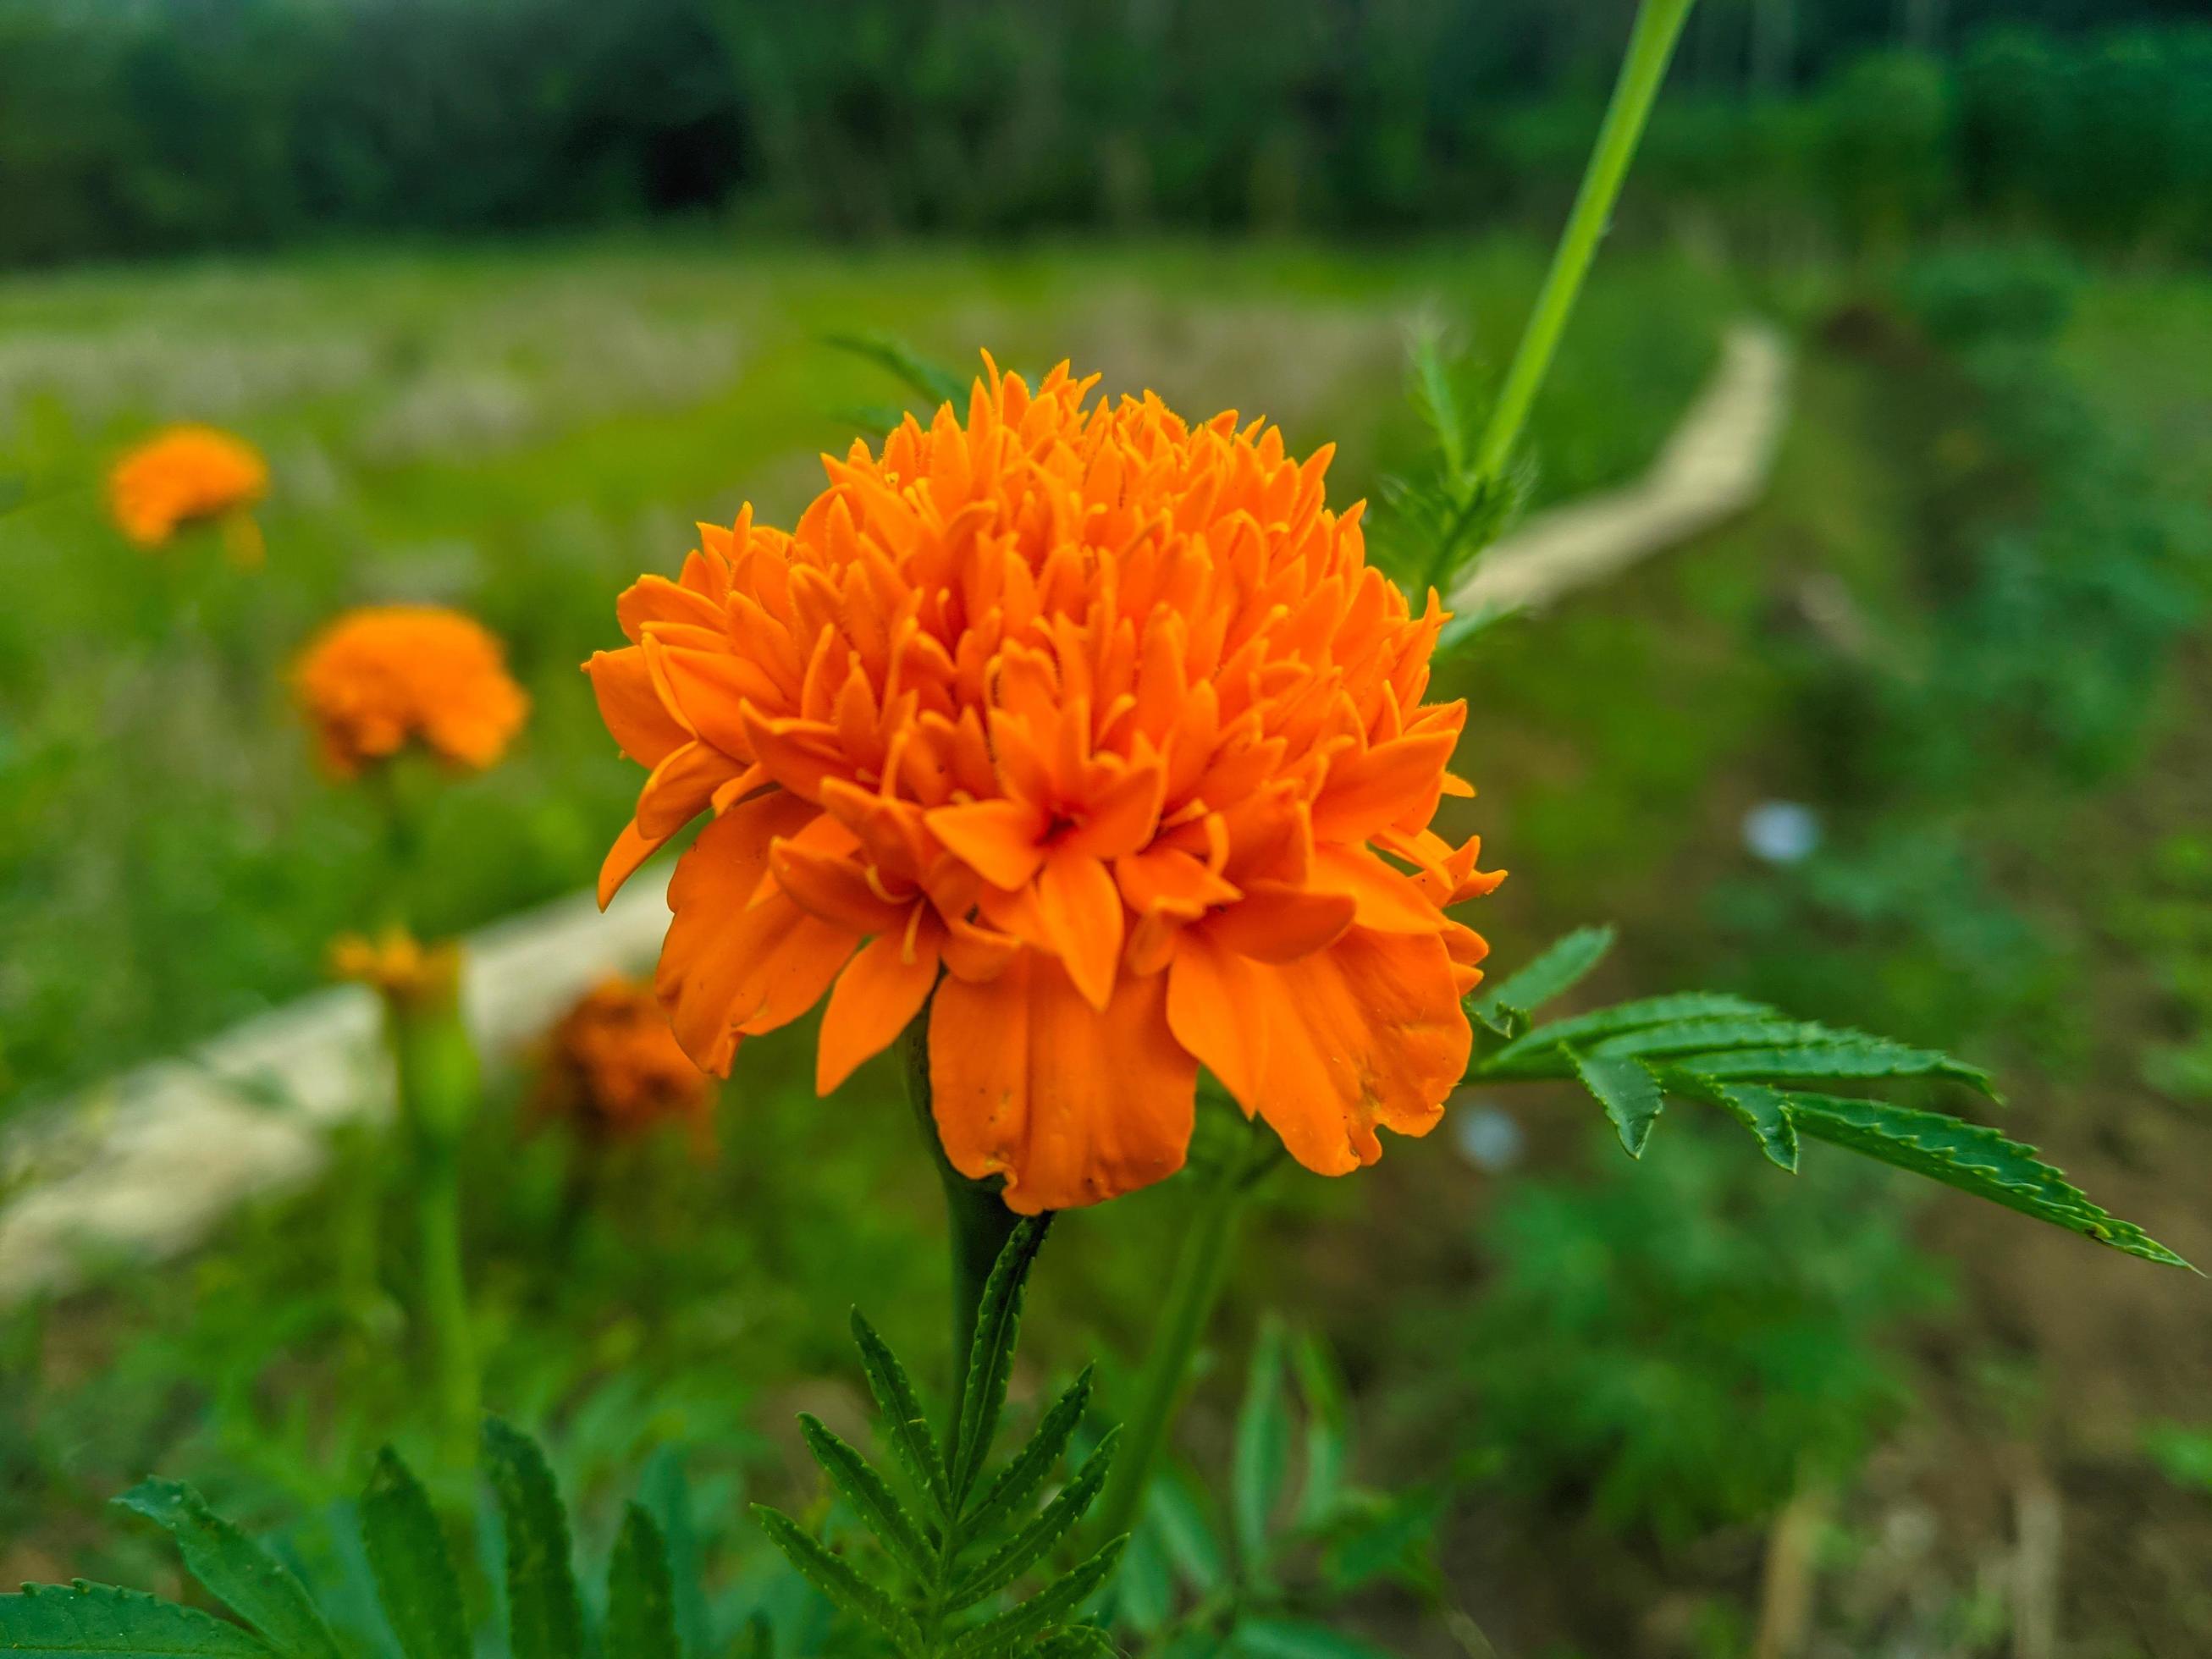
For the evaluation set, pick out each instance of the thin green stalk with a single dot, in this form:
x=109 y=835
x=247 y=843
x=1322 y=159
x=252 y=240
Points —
x=437 y=1073
x=1650 y=45
x=978 y=1219
x=1200 y=1270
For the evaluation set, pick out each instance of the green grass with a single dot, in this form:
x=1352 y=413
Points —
x=520 y=432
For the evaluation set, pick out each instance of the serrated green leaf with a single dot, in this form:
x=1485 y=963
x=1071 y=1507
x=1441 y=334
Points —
x=1543 y=1047
x=1328 y=1431
x=1080 y=1642
x=48 y=1621
x=641 y=1593
x=1760 y=1110
x=991 y=1361
x=666 y=1491
x=1558 y=969
x=1260 y=1461
x=912 y=1442
x=1623 y=1085
x=1971 y=1158
x=1692 y=1036
x=1049 y=1607
x=1294 y=1639
x=408 y=1558
x=235 y=1571
x=544 y=1618
x=1028 y=1546
x=835 y=1577
x=1014 y=1484
x=874 y=1502
x=1844 y=1057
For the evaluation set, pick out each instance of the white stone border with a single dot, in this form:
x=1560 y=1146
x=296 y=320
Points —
x=142 y=1166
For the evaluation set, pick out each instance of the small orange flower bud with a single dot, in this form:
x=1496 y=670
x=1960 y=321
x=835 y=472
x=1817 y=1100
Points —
x=380 y=679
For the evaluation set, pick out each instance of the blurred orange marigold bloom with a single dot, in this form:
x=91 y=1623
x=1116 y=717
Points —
x=397 y=965
x=615 y=1071
x=380 y=679
x=187 y=475
x=1096 y=724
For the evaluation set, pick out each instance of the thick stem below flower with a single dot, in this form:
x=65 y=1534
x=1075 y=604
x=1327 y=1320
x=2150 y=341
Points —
x=1201 y=1269
x=979 y=1223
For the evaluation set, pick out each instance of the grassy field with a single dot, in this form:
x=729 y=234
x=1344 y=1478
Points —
x=520 y=434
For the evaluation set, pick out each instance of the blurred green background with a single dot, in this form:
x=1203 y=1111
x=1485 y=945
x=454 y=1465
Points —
x=510 y=293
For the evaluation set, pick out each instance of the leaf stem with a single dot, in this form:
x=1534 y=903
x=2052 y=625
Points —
x=1650 y=45
x=1201 y=1268
x=978 y=1221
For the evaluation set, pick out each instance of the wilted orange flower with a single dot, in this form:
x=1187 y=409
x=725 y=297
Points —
x=188 y=475
x=615 y=1070
x=396 y=964
x=380 y=679
x=1099 y=725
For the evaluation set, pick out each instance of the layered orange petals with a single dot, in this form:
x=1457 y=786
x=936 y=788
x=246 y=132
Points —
x=1092 y=731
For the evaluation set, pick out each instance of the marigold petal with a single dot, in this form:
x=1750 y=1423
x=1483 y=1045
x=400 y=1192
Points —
x=1002 y=841
x=1218 y=1010
x=1071 y=1104
x=641 y=727
x=1367 y=1032
x=701 y=978
x=1368 y=790
x=631 y=848
x=835 y=889
x=680 y=787
x=880 y=990
x=1081 y=911
x=1388 y=902
x=1275 y=923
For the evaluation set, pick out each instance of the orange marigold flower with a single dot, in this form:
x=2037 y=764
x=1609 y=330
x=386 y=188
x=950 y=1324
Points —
x=1096 y=724
x=188 y=475
x=380 y=679
x=615 y=1070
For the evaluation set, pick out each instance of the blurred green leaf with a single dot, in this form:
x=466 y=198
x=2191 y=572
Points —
x=641 y=1593
x=49 y=1621
x=236 y=1571
x=1291 y=1638
x=1328 y=1429
x=414 y=1571
x=544 y=1618
x=1261 y=1464
x=1176 y=1517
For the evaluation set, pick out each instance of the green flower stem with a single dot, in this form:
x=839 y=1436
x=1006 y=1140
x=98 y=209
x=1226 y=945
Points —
x=1650 y=45
x=1201 y=1269
x=980 y=1222
x=435 y=1065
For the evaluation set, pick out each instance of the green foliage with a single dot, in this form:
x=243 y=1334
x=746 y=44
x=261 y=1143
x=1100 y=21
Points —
x=1677 y=1345
x=960 y=1547
x=1262 y=1568
x=416 y=1581
x=1743 y=1060
x=1438 y=516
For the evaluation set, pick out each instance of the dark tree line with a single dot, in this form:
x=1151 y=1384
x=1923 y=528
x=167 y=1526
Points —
x=130 y=126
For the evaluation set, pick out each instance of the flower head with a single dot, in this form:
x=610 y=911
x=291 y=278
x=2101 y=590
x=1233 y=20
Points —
x=615 y=1071
x=398 y=966
x=377 y=679
x=188 y=475
x=1097 y=726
